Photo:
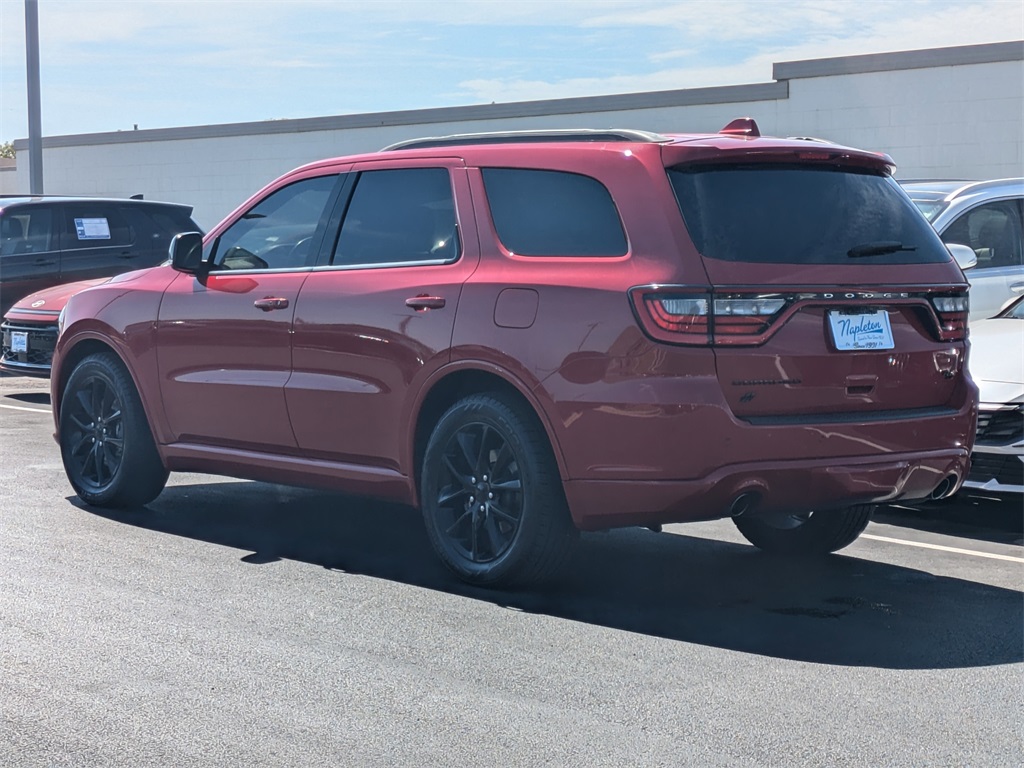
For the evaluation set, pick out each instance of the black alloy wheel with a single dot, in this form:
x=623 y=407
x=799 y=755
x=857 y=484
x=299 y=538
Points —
x=106 y=445
x=96 y=438
x=492 y=498
x=480 y=504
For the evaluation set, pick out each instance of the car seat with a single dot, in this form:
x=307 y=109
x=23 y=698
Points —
x=999 y=238
x=12 y=235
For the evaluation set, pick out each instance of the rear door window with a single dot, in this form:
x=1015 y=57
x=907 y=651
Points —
x=94 y=225
x=553 y=213
x=399 y=216
x=802 y=215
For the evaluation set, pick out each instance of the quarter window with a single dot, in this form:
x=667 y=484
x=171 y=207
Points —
x=553 y=213
x=399 y=216
x=277 y=233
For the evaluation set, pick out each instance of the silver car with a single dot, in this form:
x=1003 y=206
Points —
x=997 y=365
x=985 y=216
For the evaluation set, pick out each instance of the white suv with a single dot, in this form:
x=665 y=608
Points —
x=987 y=217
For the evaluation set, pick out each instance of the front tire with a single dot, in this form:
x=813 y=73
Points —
x=492 y=498
x=105 y=442
x=813 y=533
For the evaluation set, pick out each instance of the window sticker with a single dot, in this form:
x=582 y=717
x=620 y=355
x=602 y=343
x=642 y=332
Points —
x=92 y=229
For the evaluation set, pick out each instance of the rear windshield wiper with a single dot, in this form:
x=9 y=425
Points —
x=878 y=248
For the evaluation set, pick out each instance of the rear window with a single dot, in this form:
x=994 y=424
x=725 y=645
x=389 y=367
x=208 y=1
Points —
x=802 y=215
x=171 y=221
x=553 y=213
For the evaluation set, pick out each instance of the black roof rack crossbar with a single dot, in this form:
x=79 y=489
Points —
x=530 y=136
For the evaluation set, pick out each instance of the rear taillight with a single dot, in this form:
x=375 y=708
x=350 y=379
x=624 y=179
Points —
x=952 y=311
x=704 y=318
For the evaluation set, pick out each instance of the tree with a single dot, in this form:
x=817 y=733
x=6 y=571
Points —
x=6 y=149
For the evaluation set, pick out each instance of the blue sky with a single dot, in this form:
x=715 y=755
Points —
x=107 y=65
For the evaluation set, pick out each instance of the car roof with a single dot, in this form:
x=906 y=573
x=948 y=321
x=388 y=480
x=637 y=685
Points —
x=739 y=140
x=10 y=200
x=949 y=189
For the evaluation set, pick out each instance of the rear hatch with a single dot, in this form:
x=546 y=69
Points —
x=830 y=296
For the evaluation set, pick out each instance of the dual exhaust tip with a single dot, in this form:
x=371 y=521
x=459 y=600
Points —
x=745 y=502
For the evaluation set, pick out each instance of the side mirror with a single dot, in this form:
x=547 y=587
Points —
x=186 y=252
x=963 y=255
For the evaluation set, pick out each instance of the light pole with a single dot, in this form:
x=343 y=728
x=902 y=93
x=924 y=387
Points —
x=35 y=128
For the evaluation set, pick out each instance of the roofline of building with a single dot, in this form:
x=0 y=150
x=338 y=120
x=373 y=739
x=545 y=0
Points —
x=956 y=56
x=782 y=72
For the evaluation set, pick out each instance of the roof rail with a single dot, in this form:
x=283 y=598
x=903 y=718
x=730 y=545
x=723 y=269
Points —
x=531 y=136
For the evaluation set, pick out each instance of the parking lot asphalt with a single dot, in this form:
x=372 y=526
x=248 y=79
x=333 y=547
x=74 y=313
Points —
x=241 y=623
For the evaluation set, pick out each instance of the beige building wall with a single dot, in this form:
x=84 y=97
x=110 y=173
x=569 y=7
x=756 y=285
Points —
x=941 y=113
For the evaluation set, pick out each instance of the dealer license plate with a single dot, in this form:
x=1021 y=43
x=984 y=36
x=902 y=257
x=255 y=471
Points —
x=864 y=330
x=19 y=341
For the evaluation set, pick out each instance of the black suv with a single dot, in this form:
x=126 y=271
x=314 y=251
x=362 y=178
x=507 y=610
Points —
x=46 y=241
x=51 y=248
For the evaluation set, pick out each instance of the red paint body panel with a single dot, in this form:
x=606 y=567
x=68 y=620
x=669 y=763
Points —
x=224 y=363
x=51 y=300
x=329 y=390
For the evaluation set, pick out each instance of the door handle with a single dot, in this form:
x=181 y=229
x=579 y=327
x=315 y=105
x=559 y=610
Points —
x=44 y=263
x=1017 y=287
x=423 y=303
x=270 y=303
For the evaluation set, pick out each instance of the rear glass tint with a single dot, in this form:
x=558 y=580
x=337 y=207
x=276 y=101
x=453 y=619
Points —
x=802 y=215
x=553 y=213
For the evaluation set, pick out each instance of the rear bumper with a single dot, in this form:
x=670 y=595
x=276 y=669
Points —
x=796 y=486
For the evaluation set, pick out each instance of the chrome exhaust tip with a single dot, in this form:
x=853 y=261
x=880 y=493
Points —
x=945 y=489
x=743 y=503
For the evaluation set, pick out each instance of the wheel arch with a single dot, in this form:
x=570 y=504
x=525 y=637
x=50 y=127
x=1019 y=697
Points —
x=454 y=383
x=79 y=349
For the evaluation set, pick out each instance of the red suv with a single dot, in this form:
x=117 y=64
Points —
x=532 y=333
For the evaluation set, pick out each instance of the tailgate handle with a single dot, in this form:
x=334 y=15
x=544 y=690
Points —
x=860 y=385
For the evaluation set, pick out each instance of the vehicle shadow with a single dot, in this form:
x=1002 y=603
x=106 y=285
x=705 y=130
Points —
x=970 y=514
x=34 y=398
x=838 y=610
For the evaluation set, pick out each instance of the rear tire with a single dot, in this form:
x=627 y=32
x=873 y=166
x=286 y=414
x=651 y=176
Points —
x=493 y=501
x=816 y=533
x=105 y=442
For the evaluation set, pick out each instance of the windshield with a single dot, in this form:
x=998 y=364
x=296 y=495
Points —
x=1016 y=311
x=802 y=215
x=930 y=208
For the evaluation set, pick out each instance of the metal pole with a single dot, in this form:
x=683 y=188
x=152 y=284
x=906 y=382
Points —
x=35 y=123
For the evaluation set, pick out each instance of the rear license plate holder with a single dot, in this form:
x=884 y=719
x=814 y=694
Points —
x=858 y=331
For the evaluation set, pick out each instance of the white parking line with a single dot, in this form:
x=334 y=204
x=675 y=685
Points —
x=21 y=408
x=990 y=555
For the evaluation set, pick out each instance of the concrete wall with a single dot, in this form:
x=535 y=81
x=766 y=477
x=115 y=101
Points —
x=949 y=112
x=8 y=175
